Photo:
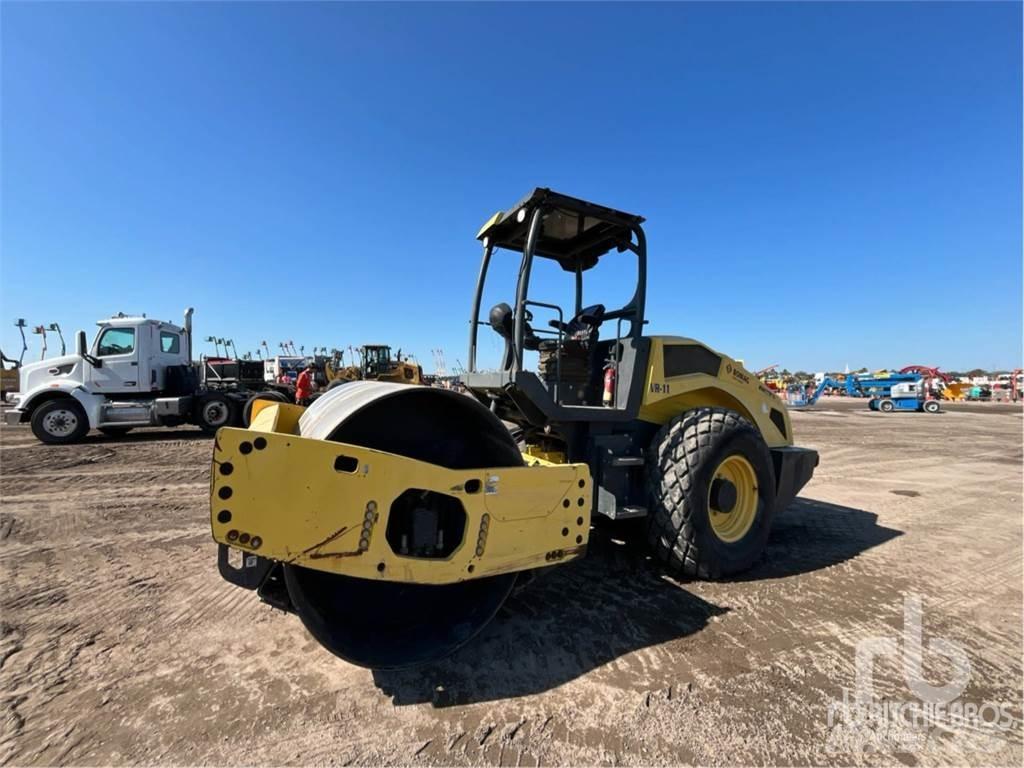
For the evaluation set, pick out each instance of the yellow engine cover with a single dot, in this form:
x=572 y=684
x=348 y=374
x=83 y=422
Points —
x=684 y=374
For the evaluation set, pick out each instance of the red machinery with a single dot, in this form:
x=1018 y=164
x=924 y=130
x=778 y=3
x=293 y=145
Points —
x=928 y=373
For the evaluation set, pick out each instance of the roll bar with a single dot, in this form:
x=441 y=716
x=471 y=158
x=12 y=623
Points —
x=633 y=310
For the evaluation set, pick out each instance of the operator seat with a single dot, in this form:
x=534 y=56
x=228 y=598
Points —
x=577 y=358
x=572 y=364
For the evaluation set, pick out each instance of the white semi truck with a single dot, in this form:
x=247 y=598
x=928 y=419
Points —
x=138 y=372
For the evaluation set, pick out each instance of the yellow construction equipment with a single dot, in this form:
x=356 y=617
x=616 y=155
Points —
x=395 y=520
x=955 y=390
x=375 y=364
x=9 y=378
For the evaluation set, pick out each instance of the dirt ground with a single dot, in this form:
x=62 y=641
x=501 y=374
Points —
x=119 y=642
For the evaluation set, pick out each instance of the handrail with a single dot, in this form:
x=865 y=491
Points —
x=558 y=346
x=523 y=286
x=616 y=358
x=474 y=316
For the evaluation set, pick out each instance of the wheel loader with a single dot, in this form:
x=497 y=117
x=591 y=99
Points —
x=375 y=364
x=395 y=520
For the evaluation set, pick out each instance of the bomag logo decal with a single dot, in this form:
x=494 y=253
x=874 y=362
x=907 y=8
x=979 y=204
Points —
x=737 y=373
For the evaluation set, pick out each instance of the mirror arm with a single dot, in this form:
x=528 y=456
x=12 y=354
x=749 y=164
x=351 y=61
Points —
x=80 y=351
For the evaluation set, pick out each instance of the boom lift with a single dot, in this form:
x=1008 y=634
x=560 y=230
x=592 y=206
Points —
x=906 y=396
x=419 y=510
x=797 y=396
x=874 y=385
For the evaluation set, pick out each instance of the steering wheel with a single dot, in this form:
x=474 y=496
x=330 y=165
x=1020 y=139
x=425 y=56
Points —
x=588 y=316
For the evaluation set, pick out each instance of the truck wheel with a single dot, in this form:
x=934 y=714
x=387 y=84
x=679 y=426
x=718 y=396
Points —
x=115 y=431
x=59 y=422
x=931 y=406
x=886 y=406
x=214 y=412
x=277 y=397
x=712 y=493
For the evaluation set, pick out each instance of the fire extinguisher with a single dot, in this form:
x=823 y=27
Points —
x=608 y=398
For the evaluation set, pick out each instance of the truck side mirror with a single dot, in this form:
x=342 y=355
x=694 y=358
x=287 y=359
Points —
x=80 y=350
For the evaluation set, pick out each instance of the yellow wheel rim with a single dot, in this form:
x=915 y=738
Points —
x=732 y=499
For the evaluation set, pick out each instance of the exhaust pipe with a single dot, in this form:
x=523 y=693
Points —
x=188 y=332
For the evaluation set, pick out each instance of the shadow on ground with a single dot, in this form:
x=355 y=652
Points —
x=568 y=621
x=810 y=535
x=577 y=617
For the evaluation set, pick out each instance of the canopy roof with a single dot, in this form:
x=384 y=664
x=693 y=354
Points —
x=574 y=232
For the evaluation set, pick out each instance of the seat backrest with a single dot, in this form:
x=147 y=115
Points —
x=583 y=327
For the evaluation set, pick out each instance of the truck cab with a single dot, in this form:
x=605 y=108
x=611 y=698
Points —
x=137 y=372
x=128 y=356
x=134 y=354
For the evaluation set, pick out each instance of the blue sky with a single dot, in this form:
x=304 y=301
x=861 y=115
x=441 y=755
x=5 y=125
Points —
x=824 y=184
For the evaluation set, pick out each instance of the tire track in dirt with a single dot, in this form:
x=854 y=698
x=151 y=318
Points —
x=110 y=480
x=41 y=672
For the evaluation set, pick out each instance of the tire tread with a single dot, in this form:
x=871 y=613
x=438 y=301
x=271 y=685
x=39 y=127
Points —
x=677 y=451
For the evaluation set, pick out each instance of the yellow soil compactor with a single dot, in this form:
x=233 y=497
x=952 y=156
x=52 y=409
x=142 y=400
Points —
x=395 y=520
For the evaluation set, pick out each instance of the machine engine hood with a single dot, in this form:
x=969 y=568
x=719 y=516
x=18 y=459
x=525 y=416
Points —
x=51 y=370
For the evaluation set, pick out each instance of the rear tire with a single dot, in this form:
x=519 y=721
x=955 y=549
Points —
x=115 y=431
x=213 y=412
x=886 y=406
x=931 y=406
x=60 y=422
x=712 y=490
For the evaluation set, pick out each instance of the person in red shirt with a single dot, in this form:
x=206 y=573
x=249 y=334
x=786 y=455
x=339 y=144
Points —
x=304 y=385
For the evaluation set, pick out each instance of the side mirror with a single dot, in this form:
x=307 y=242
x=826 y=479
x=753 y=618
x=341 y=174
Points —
x=80 y=351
